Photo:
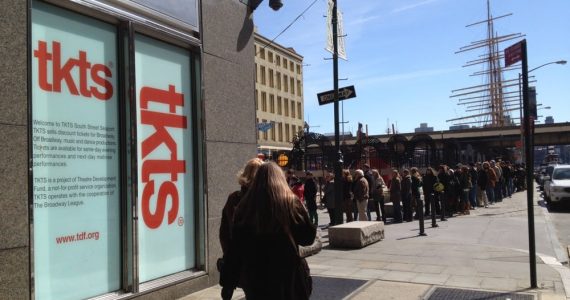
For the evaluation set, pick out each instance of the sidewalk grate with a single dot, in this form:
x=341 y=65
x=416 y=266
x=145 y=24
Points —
x=461 y=294
x=331 y=288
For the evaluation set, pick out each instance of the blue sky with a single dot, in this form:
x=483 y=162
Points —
x=401 y=56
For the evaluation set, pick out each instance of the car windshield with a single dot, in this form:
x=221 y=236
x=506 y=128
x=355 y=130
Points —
x=561 y=174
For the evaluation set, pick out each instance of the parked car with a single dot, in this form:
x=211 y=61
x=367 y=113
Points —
x=558 y=188
x=545 y=177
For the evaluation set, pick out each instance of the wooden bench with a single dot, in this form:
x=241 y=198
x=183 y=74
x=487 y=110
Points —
x=356 y=234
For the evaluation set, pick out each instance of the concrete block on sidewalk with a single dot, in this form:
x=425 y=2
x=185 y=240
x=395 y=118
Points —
x=356 y=234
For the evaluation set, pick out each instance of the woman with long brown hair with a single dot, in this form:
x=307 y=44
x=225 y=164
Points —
x=269 y=224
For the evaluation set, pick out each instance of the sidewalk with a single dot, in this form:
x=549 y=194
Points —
x=487 y=250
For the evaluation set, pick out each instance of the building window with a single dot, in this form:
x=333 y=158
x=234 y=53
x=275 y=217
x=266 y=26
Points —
x=271 y=78
x=280 y=131
x=286 y=105
x=285 y=83
x=256 y=100
x=299 y=88
x=262 y=71
x=278 y=60
x=271 y=103
x=291 y=66
x=82 y=194
x=256 y=76
x=292 y=82
x=272 y=130
x=270 y=56
x=263 y=101
x=262 y=53
x=278 y=76
x=299 y=112
x=284 y=63
x=298 y=69
x=264 y=132
x=279 y=112
x=287 y=139
x=292 y=108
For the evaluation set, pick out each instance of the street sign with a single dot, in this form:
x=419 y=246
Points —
x=264 y=126
x=344 y=93
x=513 y=54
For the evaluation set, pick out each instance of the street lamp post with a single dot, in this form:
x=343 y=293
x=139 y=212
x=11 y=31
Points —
x=559 y=62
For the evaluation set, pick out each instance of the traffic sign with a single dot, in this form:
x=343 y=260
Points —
x=264 y=126
x=513 y=54
x=344 y=93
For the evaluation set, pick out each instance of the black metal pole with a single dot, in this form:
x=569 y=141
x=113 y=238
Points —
x=528 y=126
x=338 y=159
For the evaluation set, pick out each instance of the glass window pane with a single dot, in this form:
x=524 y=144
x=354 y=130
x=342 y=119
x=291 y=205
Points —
x=165 y=151
x=75 y=155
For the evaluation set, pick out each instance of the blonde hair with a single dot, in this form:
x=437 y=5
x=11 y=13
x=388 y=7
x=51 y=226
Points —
x=269 y=203
x=248 y=173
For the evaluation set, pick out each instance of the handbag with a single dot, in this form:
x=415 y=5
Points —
x=303 y=273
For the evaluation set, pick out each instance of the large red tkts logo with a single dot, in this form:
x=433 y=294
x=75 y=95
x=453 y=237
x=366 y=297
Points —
x=172 y=166
x=102 y=90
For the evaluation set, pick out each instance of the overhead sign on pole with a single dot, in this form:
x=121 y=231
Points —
x=513 y=54
x=340 y=32
x=344 y=93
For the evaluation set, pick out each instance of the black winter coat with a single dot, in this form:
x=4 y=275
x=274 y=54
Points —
x=267 y=265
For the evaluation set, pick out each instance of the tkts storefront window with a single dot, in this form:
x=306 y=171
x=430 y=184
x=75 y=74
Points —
x=115 y=174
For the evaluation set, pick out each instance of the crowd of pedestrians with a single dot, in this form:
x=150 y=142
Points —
x=273 y=213
x=447 y=191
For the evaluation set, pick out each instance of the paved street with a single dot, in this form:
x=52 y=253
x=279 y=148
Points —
x=560 y=220
x=487 y=250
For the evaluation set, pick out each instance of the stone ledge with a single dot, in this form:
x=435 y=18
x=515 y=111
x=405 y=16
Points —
x=356 y=234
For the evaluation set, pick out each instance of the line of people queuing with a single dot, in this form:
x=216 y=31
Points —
x=452 y=190
x=271 y=215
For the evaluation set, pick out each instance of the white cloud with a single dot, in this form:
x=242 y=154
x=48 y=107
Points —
x=412 y=6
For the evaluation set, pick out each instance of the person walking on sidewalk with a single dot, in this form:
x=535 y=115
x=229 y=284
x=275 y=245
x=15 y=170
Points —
x=407 y=195
x=482 y=199
x=347 y=204
x=379 y=193
x=269 y=225
x=498 y=187
x=245 y=178
x=310 y=194
x=416 y=193
x=429 y=179
x=491 y=181
x=473 y=191
x=374 y=196
x=360 y=191
x=396 y=195
x=328 y=197
x=465 y=186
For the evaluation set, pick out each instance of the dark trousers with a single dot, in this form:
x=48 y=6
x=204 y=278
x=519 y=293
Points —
x=381 y=204
x=407 y=204
x=428 y=199
x=347 y=209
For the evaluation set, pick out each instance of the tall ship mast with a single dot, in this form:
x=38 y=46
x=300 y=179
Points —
x=489 y=104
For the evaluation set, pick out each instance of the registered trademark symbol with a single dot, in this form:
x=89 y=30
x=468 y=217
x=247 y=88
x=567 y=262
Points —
x=180 y=221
